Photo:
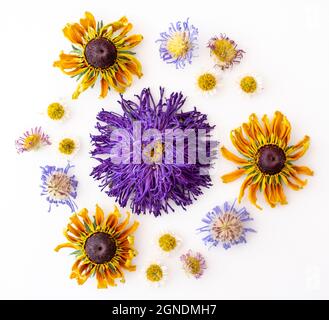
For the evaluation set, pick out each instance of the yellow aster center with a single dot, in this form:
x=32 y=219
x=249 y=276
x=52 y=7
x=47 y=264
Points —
x=193 y=265
x=167 y=242
x=207 y=82
x=224 y=50
x=155 y=153
x=55 y=111
x=32 y=141
x=178 y=45
x=154 y=273
x=248 y=84
x=67 y=146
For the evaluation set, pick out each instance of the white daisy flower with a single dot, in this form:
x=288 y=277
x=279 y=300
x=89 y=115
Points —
x=250 y=84
x=67 y=146
x=57 y=111
x=167 y=242
x=207 y=82
x=155 y=273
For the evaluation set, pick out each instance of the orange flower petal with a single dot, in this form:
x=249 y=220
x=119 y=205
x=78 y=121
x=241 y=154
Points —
x=232 y=157
x=233 y=175
x=252 y=195
x=303 y=170
x=99 y=217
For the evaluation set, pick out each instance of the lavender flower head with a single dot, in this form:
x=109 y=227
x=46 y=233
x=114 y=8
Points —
x=32 y=140
x=194 y=264
x=225 y=226
x=138 y=160
x=59 y=186
x=178 y=44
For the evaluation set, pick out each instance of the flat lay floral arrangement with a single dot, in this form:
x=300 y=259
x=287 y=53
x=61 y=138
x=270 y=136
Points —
x=155 y=155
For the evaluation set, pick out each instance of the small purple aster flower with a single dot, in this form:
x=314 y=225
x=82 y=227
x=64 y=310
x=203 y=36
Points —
x=59 y=186
x=178 y=44
x=152 y=183
x=194 y=263
x=32 y=140
x=225 y=226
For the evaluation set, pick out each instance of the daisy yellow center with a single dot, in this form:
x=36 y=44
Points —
x=167 y=242
x=67 y=146
x=178 y=45
x=55 y=111
x=227 y=227
x=32 y=141
x=248 y=84
x=155 y=153
x=224 y=50
x=193 y=264
x=207 y=82
x=59 y=185
x=154 y=273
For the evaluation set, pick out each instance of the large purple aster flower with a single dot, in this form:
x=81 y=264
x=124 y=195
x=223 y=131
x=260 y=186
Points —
x=154 y=154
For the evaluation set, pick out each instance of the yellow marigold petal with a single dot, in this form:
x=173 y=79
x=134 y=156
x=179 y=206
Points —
x=267 y=125
x=101 y=280
x=303 y=144
x=99 y=217
x=252 y=195
x=76 y=221
x=303 y=170
x=301 y=183
x=69 y=237
x=109 y=278
x=104 y=88
x=88 y=21
x=276 y=123
x=66 y=245
x=110 y=78
x=73 y=230
x=255 y=125
x=293 y=185
x=132 y=41
x=84 y=215
x=123 y=224
x=233 y=175
x=129 y=231
x=87 y=81
x=72 y=35
x=240 y=143
x=232 y=157
x=244 y=185
x=268 y=195
x=282 y=196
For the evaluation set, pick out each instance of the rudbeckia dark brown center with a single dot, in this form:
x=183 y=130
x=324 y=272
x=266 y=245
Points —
x=101 y=53
x=100 y=247
x=271 y=159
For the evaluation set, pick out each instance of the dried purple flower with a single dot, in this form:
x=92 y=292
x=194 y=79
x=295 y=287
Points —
x=152 y=183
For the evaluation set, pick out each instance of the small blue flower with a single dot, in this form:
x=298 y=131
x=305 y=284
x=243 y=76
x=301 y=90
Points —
x=178 y=44
x=59 y=186
x=225 y=226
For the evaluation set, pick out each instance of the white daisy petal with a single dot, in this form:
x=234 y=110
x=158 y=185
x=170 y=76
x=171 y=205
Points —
x=156 y=277
x=56 y=111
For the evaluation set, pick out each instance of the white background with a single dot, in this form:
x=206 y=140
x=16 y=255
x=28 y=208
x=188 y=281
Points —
x=286 y=43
